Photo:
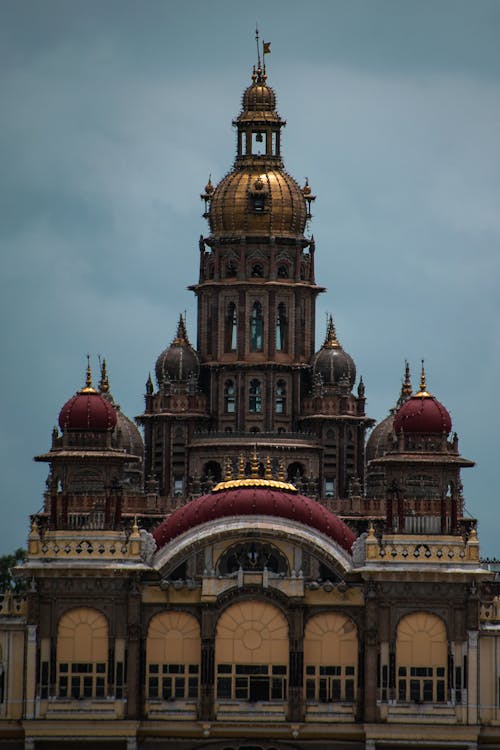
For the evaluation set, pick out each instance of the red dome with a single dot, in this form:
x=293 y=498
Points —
x=87 y=411
x=254 y=501
x=422 y=414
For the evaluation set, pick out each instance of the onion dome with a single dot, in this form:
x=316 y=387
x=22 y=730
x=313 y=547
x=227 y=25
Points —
x=254 y=497
x=381 y=438
x=125 y=434
x=422 y=413
x=259 y=97
x=179 y=361
x=335 y=366
x=87 y=411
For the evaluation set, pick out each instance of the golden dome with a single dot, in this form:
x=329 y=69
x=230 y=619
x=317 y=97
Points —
x=249 y=201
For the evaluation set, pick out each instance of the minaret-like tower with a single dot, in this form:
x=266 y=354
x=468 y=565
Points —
x=256 y=291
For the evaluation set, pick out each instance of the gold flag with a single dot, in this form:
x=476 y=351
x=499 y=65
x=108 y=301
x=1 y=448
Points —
x=266 y=48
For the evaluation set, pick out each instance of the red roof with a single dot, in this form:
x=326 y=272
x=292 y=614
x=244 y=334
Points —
x=423 y=414
x=254 y=501
x=87 y=411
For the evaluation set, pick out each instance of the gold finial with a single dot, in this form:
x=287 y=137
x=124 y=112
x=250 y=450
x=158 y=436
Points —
x=181 y=336
x=306 y=190
x=209 y=188
x=88 y=379
x=281 y=472
x=371 y=531
x=229 y=470
x=135 y=527
x=331 y=341
x=104 y=381
x=241 y=467
x=268 y=473
x=423 y=393
x=255 y=464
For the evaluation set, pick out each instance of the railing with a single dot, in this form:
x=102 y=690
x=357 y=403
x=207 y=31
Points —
x=256 y=437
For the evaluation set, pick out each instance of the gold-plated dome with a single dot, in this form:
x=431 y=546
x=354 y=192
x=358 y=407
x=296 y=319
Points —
x=253 y=202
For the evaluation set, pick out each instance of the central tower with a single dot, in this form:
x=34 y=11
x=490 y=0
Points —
x=255 y=382
x=256 y=291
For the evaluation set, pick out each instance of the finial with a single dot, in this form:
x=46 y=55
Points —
x=209 y=188
x=104 y=381
x=258 y=48
x=406 y=385
x=371 y=531
x=241 y=467
x=229 y=470
x=331 y=336
x=149 y=385
x=268 y=473
x=361 y=388
x=281 y=472
x=88 y=379
x=181 y=336
x=423 y=387
x=306 y=190
x=255 y=464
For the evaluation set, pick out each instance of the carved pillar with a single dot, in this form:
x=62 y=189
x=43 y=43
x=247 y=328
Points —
x=371 y=635
x=31 y=681
x=296 y=665
x=134 y=678
x=207 y=696
x=472 y=678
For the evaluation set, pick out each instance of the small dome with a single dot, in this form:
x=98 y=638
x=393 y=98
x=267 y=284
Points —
x=333 y=363
x=422 y=413
x=254 y=200
x=380 y=440
x=126 y=435
x=239 y=498
x=179 y=361
x=259 y=97
x=87 y=411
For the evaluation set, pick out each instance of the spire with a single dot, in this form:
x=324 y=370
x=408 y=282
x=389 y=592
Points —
x=149 y=385
x=406 y=389
x=104 y=381
x=181 y=336
x=241 y=467
x=331 y=336
x=88 y=388
x=229 y=470
x=423 y=393
x=255 y=464
x=268 y=472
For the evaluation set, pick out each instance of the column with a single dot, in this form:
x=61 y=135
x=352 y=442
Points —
x=296 y=668
x=472 y=677
x=207 y=686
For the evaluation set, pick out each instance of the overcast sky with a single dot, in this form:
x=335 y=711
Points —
x=113 y=115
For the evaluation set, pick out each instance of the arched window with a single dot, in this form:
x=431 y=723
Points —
x=282 y=272
x=256 y=328
x=82 y=654
x=281 y=328
x=253 y=556
x=231 y=269
x=280 y=400
x=421 y=659
x=255 y=397
x=173 y=655
x=229 y=397
x=330 y=659
x=257 y=270
x=231 y=329
x=251 y=653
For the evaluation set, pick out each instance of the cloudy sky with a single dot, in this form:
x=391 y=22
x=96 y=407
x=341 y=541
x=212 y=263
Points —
x=114 y=114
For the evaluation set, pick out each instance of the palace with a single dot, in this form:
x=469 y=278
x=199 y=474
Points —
x=256 y=573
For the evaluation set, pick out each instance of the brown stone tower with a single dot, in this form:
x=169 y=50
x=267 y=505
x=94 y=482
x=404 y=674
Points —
x=256 y=378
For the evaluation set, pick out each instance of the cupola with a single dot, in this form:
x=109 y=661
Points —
x=179 y=362
x=335 y=366
x=87 y=411
x=422 y=413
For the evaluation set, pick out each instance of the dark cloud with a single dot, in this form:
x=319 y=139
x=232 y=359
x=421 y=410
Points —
x=116 y=113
